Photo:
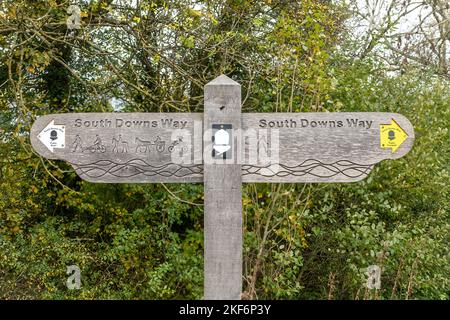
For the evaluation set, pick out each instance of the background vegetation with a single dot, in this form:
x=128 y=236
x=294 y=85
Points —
x=302 y=241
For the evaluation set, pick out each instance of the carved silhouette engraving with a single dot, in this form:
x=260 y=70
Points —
x=119 y=145
x=143 y=146
x=97 y=146
x=175 y=143
x=77 y=144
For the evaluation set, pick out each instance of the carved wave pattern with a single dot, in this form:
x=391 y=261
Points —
x=137 y=167
x=310 y=167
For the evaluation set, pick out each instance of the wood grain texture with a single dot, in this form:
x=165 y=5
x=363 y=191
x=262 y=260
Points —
x=313 y=147
x=322 y=147
x=134 y=147
x=223 y=196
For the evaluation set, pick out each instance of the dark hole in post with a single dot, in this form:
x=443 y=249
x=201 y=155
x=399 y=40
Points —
x=222 y=107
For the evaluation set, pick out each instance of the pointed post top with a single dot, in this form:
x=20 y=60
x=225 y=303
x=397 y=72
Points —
x=222 y=80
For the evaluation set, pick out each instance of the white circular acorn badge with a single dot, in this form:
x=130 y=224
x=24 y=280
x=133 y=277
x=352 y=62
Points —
x=221 y=141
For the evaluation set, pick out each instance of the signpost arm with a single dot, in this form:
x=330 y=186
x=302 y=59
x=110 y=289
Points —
x=223 y=195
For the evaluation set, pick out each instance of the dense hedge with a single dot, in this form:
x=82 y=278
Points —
x=301 y=241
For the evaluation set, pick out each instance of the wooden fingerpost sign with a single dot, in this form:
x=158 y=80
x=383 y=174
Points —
x=222 y=148
x=222 y=185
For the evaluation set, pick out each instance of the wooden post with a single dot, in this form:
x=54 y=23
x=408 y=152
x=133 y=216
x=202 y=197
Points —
x=223 y=195
x=146 y=148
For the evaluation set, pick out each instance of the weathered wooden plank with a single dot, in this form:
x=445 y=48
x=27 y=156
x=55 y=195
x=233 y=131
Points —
x=126 y=147
x=223 y=197
x=312 y=147
x=321 y=147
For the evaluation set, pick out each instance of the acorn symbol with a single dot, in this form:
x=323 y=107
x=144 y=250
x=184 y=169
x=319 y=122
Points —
x=391 y=135
x=221 y=141
x=53 y=135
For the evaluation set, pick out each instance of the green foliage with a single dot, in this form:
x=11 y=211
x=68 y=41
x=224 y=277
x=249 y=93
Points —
x=146 y=241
